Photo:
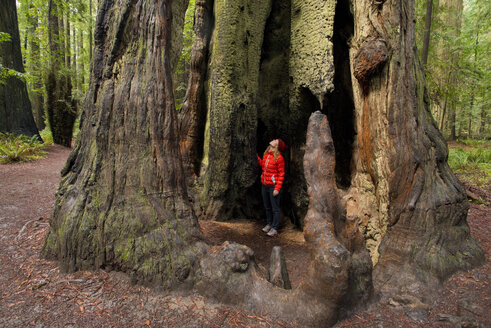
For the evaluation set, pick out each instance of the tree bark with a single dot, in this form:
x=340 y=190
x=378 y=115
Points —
x=402 y=157
x=229 y=160
x=122 y=201
x=61 y=113
x=192 y=116
x=15 y=108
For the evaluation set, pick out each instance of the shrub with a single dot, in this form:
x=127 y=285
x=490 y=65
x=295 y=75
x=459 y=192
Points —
x=20 y=148
x=47 y=136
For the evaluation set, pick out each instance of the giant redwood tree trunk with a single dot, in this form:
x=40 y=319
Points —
x=122 y=203
x=418 y=231
x=15 y=108
x=380 y=208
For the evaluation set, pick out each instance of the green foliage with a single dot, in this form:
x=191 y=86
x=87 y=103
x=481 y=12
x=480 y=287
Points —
x=33 y=27
x=475 y=142
x=5 y=37
x=47 y=136
x=458 y=73
x=76 y=129
x=5 y=72
x=460 y=159
x=471 y=159
x=20 y=148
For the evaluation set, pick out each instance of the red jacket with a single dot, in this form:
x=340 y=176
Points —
x=273 y=171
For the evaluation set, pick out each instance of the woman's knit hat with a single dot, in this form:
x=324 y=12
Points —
x=282 y=145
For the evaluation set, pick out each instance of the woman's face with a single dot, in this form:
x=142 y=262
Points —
x=274 y=143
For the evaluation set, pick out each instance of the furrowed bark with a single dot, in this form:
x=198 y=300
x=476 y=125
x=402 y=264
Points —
x=15 y=108
x=122 y=203
x=402 y=162
x=192 y=116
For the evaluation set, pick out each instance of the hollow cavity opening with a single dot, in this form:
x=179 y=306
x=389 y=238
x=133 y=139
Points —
x=273 y=95
x=339 y=105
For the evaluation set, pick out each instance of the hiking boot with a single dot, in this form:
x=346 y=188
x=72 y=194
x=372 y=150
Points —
x=272 y=232
x=267 y=228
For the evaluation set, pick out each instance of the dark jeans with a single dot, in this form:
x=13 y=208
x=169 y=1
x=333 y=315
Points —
x=272 y=206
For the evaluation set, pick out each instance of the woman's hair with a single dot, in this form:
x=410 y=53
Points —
x=275 y=153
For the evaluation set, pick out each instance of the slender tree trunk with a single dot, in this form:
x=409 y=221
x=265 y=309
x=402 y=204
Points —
x=476 y=44
x=91 y=31
x=74 y=51
x=426 y=40
x=482 y=124
x=443 y=118
x=36 y=94
x=452 y=120
x=15 y=108
x=70 y=64
x=26 y=38
x=81 y=60
x=469 y=124
x=68 y=39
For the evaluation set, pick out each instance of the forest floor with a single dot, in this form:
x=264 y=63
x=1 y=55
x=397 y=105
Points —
x=34 y=293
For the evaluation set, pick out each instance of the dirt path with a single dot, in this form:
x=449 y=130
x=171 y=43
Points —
x=34 y=293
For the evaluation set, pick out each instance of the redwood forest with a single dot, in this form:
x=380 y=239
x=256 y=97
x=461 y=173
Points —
x=245 y=163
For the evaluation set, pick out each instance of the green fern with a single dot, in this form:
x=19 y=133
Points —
x=20 y=148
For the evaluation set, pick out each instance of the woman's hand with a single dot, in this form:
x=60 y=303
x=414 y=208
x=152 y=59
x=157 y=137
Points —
x=275 y=193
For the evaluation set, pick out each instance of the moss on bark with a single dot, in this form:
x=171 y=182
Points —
x=122 y=202
x=233 y=84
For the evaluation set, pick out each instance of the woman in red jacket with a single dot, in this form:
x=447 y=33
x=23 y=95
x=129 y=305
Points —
x=273 y=174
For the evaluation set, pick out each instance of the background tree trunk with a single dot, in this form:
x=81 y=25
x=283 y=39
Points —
x=61 y=114
x=75 y=64
x=91 y=31
x=15 y=108
x=81 y=61
x=35 y=90
x=426 y=41
x=192 y=116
